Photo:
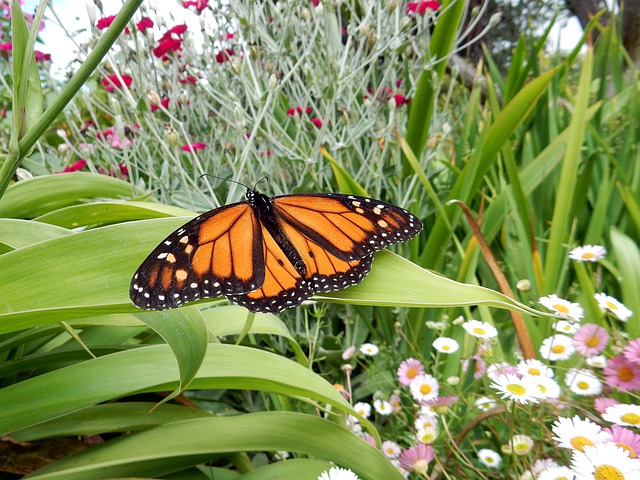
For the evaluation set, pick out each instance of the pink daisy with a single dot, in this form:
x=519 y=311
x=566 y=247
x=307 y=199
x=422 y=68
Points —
x=591 y=339
x=632 y=351
x=625 y=439
x=416 y=459
x=623 y=374
x=408 y=370
x=600 y=404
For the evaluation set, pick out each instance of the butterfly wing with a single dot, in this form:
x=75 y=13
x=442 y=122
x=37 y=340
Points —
x=218 y=253
x=336 y=236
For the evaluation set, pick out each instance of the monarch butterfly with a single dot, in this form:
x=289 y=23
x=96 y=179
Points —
x=270 y=253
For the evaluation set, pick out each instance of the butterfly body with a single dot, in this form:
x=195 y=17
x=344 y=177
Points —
x=270 y=253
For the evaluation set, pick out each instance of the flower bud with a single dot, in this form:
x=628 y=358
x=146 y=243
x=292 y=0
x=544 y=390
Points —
x=170 y=135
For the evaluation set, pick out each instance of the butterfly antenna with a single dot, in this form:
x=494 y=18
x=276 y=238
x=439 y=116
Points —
x=226 y=180
x=263 y=178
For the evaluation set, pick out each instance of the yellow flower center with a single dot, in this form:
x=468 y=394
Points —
x=558 y=349
x=534 y=371
x=628 y=449
x=582 y=385
x=560 y=308
x=592 y=341
x=542 y=388
x=425 y=389
x=521 y=447
x=488 y=459
x=445 y=348
x=607 y=472
x=625 y=374
x=631 y=418
x=479 y=331
x=412 y=372
x=611 y=306
x=516 y=389
x=580 y=442
x=587 y=255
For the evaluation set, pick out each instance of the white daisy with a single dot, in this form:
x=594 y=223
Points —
x=597 y=361
x=583 y=382
x=520 y=444
x=427 y=435
x=391 y=449
x=557 y=347
x=613 y=305
x=445 y=345
x=548 y=387
x=534 y=367
x=542 y=464
x=336 y=473
x=623 y=414
x=363 y=409
x=426 y=420
x=479 y=329
x=588 y=253
x=576 y=433
x=519 y=389
x=369 y=349
x=562 y=308
x=604 y=461
x=485 y=403
x=489 y=457
x=424 y=387
x=556 y=473
x=569 y=328
x=383 y=407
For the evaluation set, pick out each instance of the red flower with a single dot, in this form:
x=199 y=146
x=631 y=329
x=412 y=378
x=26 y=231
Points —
x=167 y=45
x=42 y=57
x=421 y=7
x=199 y=4
x=6 y=46
x=316 y=121
x=106 y=23
x=113 y=81
x=164 y=102
x=224 y=55
x=401 y=99
x=144 y=23
x=189 y=147
x=189 y=79
x=74 y=167
x=293 y=110
x=176 y=30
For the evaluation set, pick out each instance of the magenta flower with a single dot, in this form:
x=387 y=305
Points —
x=199 y=5
x=105 y=22
x=111 y=82
x=317 y=121
x=408 y=370
x=189 y=147
x=417 y=458
x=110 y=135
x=144 y=23
x=632 y=351
x=74 y=167
x=164 y=102
x=591 y=339
x=401 y=99
x=171 y=41
x=42 y=57
x=625 y=439
x=623 y=374
x=421 y=7
x=224 y=55
x=298 y=110
x=8 y=46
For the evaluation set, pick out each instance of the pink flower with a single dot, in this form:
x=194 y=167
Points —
x=600 y=404
x=6 y=46
x=105 y=22
x=112 y=82
x=591 y=339
x=110 y=135
x=417 y=458
x=144 y=23
x=421 y=7
x=623 y=374
x=369 y=439
x=189 y=147
x=625 y=439
x=480 y=369
x=42 y=57
x=199 y=5
x=74 y=167
x=440 y=404
x=632 y=351
x=408 y=370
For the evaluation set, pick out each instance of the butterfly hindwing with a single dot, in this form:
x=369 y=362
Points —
x=218 y=253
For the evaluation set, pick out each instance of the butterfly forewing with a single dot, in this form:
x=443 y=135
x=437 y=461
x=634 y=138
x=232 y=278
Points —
x=217 y=253
x=348 y=226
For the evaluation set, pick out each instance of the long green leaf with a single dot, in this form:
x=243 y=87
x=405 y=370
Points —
x=189 y=442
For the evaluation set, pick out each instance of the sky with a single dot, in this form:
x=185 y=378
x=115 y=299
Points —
x=75 y=17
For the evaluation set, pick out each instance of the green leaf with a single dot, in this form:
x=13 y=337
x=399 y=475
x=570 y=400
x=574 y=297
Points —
x=153 y=368
x=346 y=183
x=189 y=442
x=627 y=257
x=20 y=233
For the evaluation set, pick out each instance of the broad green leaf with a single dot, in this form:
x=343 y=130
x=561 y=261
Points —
x=152 y=369
x=39 y=195
x=346 y=183
x=189 y=442
x=20 y=233
x=298 y=468
x=627 y=257
x=230 y=319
